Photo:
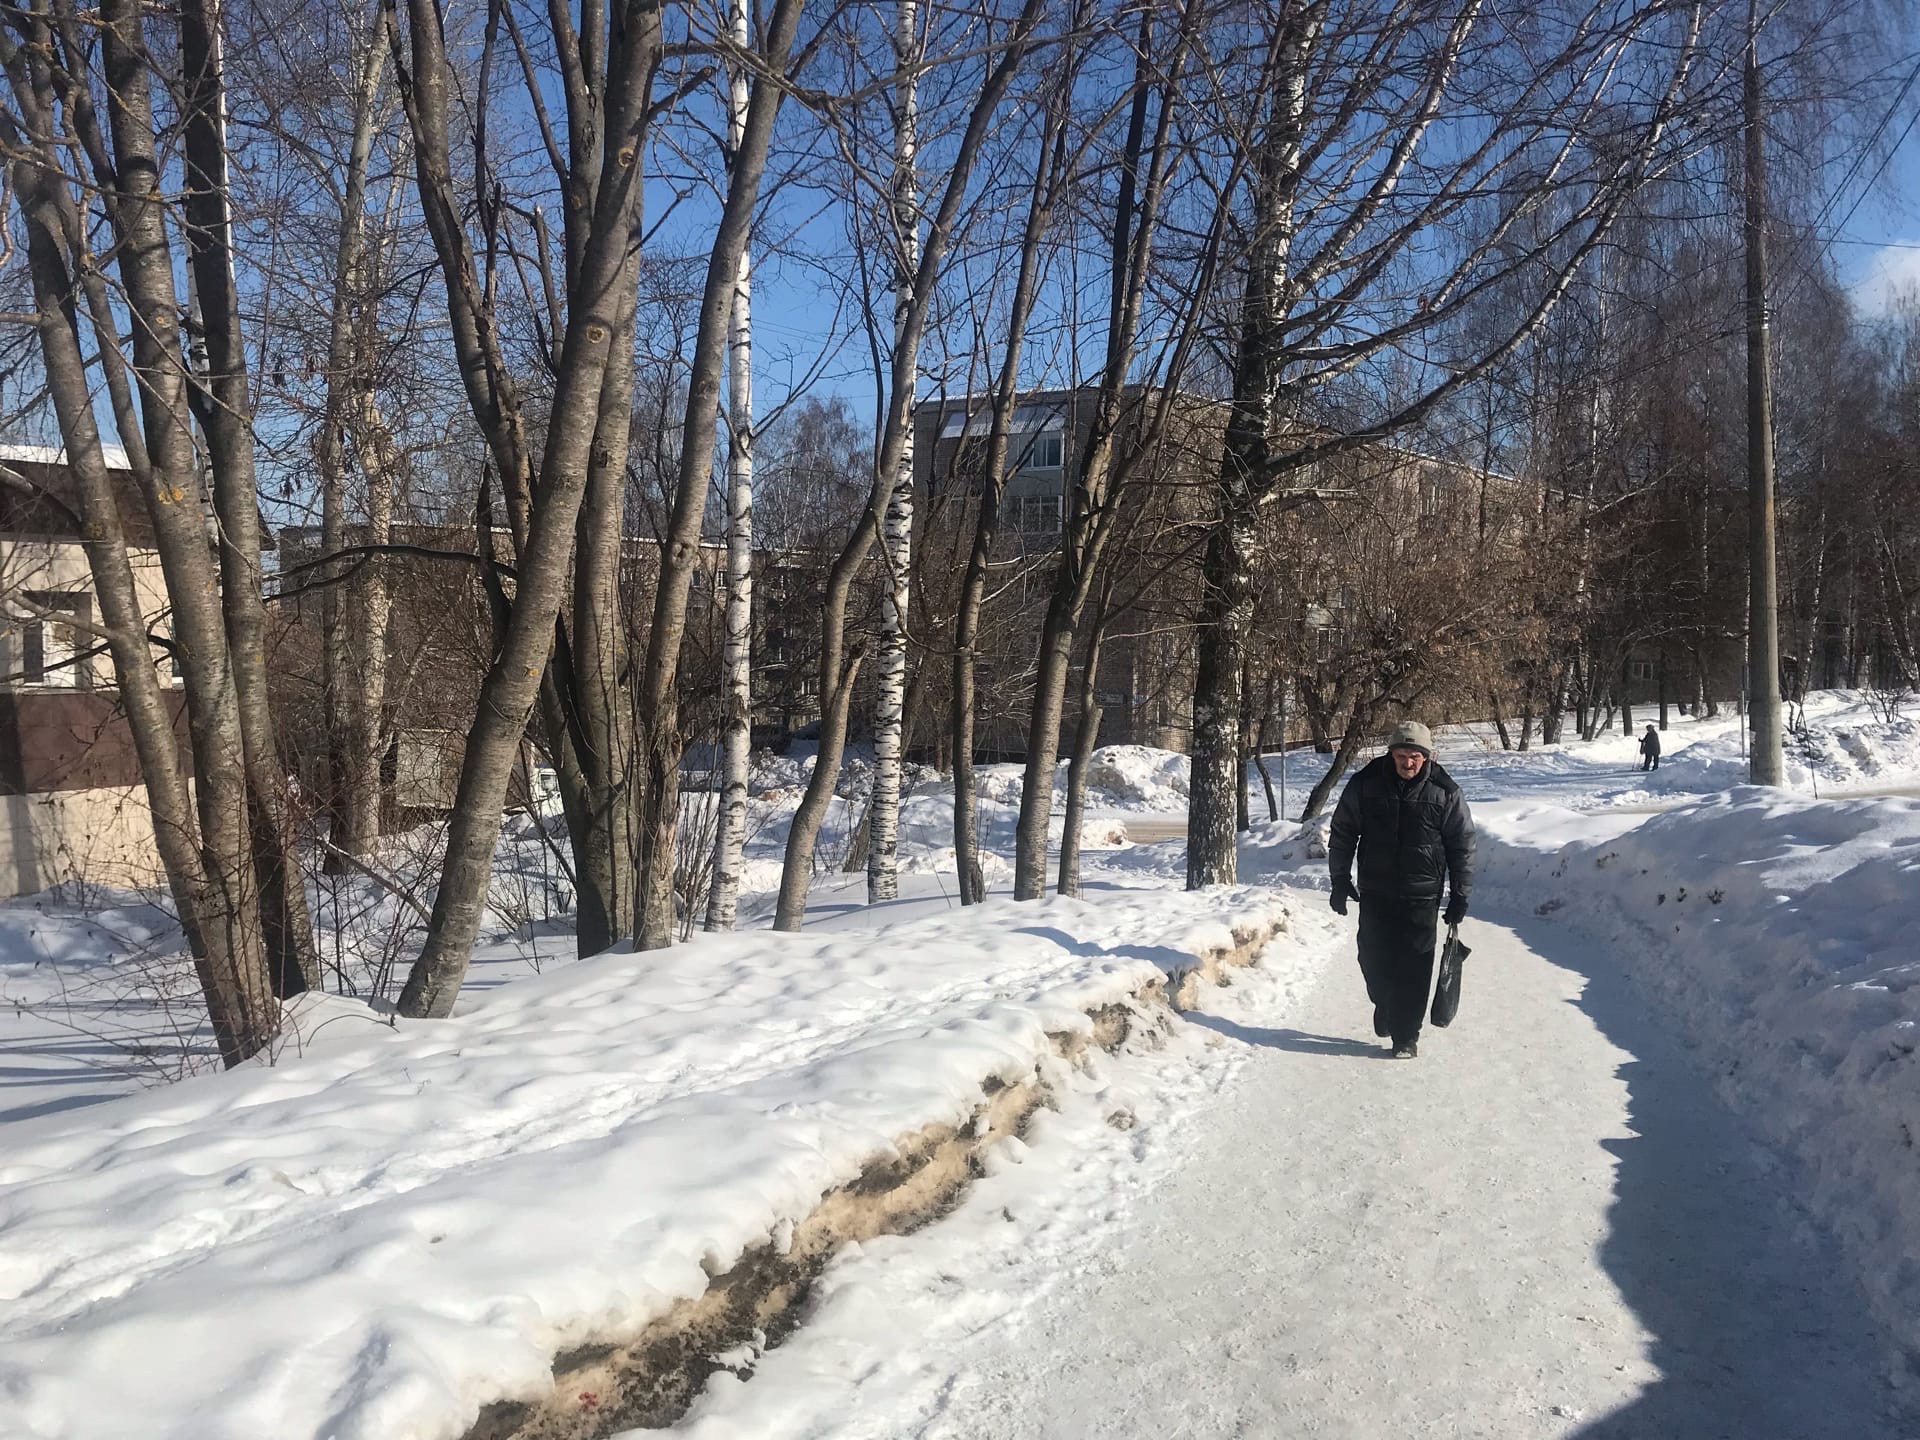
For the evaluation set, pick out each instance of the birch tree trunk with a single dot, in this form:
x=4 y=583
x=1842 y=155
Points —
x=352 y=675
x=839 y=663
x=367 y=724
x=1226 y=572
x=658 y=697
x=729 y=846
x=896 y=526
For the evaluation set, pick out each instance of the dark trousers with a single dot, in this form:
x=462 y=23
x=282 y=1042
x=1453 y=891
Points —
x=1397 y=939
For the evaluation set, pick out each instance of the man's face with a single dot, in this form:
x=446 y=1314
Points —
x=1407 y=761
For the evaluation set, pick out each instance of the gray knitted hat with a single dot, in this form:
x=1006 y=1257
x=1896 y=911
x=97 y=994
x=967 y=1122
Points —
x=1413 y=734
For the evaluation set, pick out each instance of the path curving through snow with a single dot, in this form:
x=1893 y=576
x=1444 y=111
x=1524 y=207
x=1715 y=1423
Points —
x=1546 y=1226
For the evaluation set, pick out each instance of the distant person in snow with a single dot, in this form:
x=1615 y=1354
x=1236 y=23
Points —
x=1650 y=749
x=1411 y=827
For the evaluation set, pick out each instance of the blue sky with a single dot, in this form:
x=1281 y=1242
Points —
x=1878 y=252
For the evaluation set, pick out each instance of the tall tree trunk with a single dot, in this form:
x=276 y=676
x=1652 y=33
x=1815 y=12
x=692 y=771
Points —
x=659 y=697
x=367 y=733
x=232 y=977
x=973 y=585
x=229 y=913
x=591 y=673
x=896 y=526
x=1101 y=475
x=226 y=420
x=353 y=788
x=512 y=683
x=730 y=839
x=1226 y=572
x=1767 y=765
x=837 y=666
x=1499 y=719
x=1086 y=740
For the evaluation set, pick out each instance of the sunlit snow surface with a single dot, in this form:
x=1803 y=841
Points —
x=390 y=1226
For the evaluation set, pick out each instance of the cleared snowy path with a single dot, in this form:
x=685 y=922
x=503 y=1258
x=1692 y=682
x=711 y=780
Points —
x=1545 y=1226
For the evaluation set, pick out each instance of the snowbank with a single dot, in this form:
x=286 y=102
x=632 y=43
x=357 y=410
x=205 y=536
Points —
x=1137 y=777
x=403 y=1224
x=1778 y=933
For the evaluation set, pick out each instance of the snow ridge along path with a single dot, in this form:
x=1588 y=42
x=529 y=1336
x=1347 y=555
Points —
x=371 y=1241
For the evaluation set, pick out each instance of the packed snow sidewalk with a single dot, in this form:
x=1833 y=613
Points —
x=378 y=1237
x=1546 y=1226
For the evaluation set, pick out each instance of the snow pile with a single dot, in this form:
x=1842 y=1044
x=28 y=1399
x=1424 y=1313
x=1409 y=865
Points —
x=1778 y=933
x=1138 y=777
x=1840 y=739
x=376 y=1237
x=1846 y=743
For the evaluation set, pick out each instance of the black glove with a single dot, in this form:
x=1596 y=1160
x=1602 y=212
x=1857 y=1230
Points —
x=1456 y=910
x=1343 y=891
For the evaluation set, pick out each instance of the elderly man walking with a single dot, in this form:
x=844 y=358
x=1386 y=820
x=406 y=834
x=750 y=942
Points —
x=1409 y=823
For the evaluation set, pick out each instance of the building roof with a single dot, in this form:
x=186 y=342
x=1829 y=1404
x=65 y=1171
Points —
x=1025 y=420
x=17 y=454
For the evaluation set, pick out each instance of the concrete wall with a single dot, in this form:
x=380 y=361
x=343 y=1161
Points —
x=100 y=837
x=60 y=565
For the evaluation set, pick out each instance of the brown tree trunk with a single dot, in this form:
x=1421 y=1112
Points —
x=1499 y=719
x=239 y=1001
x=1095 y=507
x=508 y=693
x=1360 y=724
x=226 y=421
x=973 y=584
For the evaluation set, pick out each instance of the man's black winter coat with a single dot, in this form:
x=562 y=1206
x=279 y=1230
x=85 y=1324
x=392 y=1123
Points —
x=1412 y=835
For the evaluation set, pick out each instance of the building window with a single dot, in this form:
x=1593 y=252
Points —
x=53 y=651
x=1046 y=452
x=1642 y=669
x=1036 y=514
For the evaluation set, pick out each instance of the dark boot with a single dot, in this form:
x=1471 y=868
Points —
x=1405 y=1049
x=1381 y=1025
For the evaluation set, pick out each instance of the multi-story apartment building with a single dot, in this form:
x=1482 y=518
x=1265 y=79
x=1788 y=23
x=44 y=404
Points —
x=1394 y=497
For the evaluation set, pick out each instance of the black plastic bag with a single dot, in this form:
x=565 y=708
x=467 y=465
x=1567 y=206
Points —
x=1446 y=994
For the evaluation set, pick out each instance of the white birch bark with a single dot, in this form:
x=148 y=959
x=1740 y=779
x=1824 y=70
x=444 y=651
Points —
x=367 y=720
x=354 y=664
x=729 y=846
x=896 y=536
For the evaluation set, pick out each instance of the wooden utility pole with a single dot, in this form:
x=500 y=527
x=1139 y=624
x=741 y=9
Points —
x=1767 y=764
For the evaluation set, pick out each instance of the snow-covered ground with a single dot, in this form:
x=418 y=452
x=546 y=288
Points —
x=1657 y=1180
x=375 y=1236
